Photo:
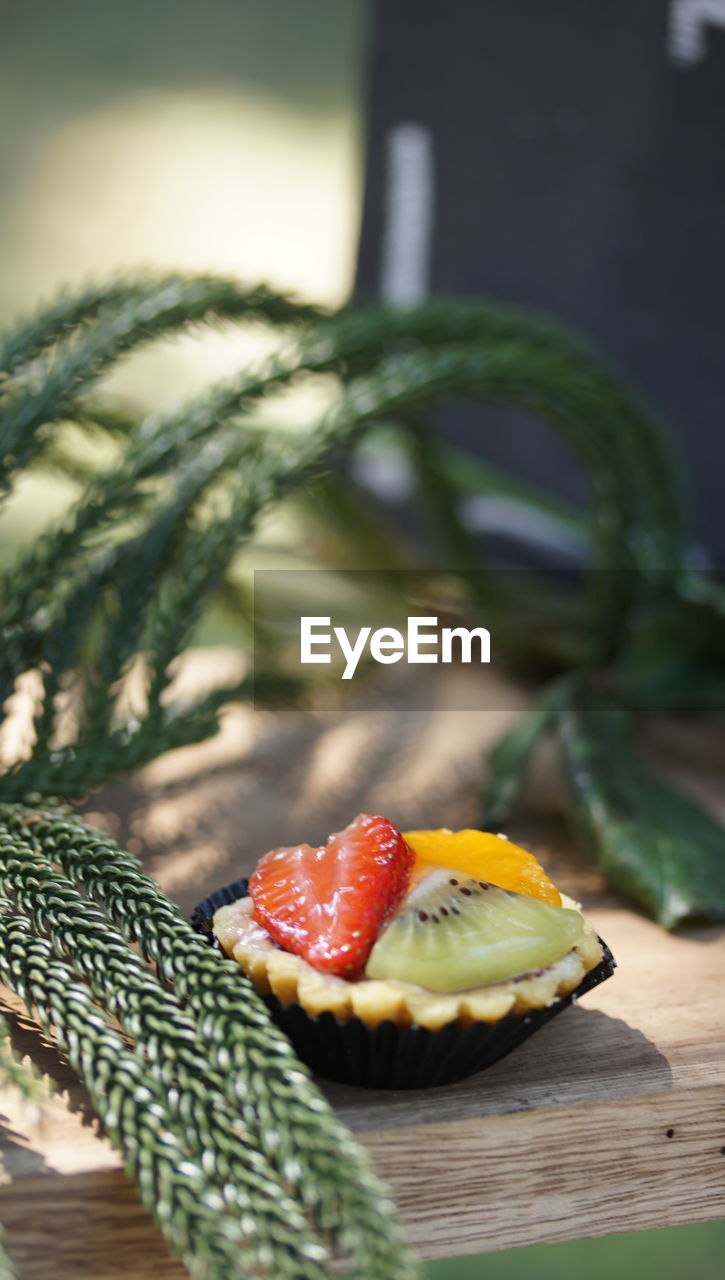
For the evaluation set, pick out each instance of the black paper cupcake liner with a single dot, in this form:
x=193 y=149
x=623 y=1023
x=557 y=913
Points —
x=389 y=1056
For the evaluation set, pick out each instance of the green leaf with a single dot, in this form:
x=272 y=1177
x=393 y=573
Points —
x=345 y=531
x=509 y=761
x=472 y=474
x=437 y=499
x=653 y=843
x=674 y=656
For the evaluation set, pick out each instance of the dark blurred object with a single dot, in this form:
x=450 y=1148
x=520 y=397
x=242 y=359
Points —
x=567 y=156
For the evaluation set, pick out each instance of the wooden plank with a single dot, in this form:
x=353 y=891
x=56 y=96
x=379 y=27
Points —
x=83 y=1226
x=559 y=1173
x=468 y=1186
x=619 y=1171
x=564 y=1139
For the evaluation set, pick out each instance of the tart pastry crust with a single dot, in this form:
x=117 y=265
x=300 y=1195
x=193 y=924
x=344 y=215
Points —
x=293 y=981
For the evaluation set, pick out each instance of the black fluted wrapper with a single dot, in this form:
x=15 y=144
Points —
x=389 y=1056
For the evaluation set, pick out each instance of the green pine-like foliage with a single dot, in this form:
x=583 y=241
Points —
x=234 y=1149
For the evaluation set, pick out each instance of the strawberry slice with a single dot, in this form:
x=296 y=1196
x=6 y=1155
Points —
x=327 y=904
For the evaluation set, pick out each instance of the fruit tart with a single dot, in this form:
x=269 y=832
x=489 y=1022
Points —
x=406 y=960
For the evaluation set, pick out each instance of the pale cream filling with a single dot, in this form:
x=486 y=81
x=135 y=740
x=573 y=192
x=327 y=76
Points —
x=294 y=981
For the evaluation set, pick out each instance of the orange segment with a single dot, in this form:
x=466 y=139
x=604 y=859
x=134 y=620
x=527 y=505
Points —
x=486 y=857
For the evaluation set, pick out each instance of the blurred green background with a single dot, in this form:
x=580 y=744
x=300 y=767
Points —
x=670 y=1254
x=219 y=136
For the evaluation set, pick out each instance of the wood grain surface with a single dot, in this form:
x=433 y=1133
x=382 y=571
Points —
x=612 y=1118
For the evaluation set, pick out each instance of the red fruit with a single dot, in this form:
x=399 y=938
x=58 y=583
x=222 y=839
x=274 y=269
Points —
x=327 y=904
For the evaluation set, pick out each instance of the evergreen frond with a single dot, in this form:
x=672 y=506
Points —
x=129 y=318
x=365 y=335
x=284 y=1114
x=246 y=1166
x=162 y=444
x=534 y=380
x=90 y=628
x=399 y=386
x=193 y=299
x=192 y=1213
x=170 y=1044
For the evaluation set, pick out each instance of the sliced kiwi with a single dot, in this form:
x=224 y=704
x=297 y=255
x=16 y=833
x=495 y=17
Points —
x=455 y=932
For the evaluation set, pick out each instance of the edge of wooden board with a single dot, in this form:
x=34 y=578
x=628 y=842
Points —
x=469 y=1186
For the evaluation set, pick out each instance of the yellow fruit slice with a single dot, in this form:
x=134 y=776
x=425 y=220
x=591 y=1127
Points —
x=484 y=856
